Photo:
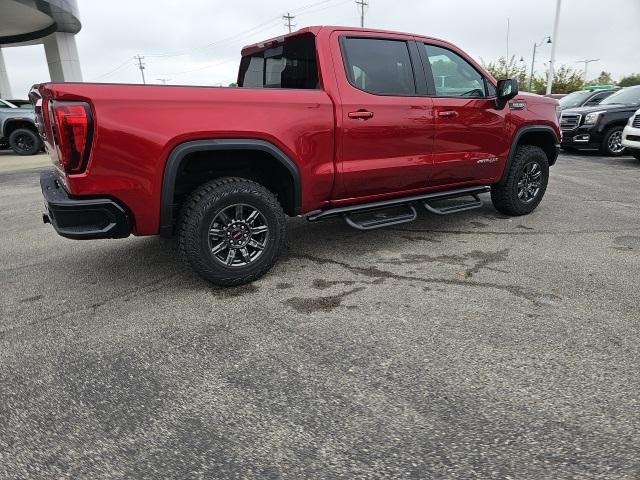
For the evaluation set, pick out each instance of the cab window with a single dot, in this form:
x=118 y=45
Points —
x=453 y=76
x=378 y=66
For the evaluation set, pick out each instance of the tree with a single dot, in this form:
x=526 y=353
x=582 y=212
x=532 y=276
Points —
x=603 y=79
x=233 y=85
x=630 y=80
x=565 y=80
x=501 y=69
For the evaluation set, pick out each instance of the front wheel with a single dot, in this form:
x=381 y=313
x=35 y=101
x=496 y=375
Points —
x=525 y=184
x=612 y=142
x=231 y=231
x=25 y=142
x=636 y=154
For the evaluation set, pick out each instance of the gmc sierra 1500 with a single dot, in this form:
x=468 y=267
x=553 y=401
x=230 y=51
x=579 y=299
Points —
x=327 y=122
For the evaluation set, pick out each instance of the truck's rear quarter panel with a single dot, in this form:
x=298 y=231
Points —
x=137 y=127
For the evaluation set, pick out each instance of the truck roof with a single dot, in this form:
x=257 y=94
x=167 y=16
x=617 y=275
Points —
x=315 y=29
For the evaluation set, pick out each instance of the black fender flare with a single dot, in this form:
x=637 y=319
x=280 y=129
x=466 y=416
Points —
x=180 y=152
x=516 y=141
x=9 y=122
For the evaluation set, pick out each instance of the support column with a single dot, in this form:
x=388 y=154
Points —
x=62 y=57
x=5 y=87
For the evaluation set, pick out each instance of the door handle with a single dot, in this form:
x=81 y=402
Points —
x=448 y=114
x=361 y=115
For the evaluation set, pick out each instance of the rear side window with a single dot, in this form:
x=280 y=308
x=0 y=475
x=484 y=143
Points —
x=453 y=76
x=381 y=67
x=291 y=64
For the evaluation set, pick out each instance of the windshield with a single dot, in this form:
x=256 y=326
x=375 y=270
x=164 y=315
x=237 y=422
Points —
x=574 y=99
x=5 y=104
x=626 y=96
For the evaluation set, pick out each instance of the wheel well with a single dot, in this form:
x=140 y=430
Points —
x=260 y=166
x=13 y=125
x=543 y=139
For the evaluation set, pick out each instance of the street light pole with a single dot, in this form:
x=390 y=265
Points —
x=552 y=61
x=533 y=60
x=586 y=66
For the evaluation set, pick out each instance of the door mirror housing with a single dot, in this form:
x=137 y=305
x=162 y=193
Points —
x=507 y=89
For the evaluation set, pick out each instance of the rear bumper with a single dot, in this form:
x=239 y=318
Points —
x=82 y=219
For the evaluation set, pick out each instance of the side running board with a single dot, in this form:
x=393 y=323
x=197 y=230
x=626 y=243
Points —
x=370 y=216
x=458 y=207
x=381 y=218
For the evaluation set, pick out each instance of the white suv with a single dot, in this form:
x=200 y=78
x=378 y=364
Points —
x=631 y=135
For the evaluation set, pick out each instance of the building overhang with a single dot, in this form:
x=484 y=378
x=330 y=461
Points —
x=23 y=21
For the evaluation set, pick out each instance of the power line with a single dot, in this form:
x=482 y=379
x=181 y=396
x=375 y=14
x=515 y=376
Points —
x=363 y=4
x=141 y=66
x=288 y=18
x=111 y=72
x=237 y=36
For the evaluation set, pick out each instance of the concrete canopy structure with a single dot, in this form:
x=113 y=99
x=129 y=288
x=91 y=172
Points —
x=50 y=22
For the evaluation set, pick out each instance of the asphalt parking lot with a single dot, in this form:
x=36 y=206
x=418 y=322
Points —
x=470 y=346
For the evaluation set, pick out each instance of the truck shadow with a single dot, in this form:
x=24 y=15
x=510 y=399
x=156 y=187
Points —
x=140 y=261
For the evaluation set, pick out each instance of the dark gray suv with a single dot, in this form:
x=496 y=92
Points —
x=18 y=129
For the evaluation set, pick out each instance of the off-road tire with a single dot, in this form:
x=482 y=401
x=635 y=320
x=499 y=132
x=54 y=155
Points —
x=24 y=141
x=204 y=205
x=604 y=147
x=505 y=194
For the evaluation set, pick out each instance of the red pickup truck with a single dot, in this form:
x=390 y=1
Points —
x=326 y=122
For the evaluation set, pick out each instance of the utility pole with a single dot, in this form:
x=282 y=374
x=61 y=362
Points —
x=586 y=65
x=363 y=4
x=139 y=58
x=556 y=25
x=288 y=18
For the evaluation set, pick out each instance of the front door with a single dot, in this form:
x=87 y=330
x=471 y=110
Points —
x=470 y=133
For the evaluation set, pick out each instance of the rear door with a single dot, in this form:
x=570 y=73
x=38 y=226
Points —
x=385 y=126
x=470 y=133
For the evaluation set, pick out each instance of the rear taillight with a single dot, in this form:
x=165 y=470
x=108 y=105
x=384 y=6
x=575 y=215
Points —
x=73 y=132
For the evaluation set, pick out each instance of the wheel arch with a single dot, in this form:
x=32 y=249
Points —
x=180 y=155
x=14 y=124
x=542 y=136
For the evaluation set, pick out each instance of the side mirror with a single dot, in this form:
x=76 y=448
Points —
x=507 y=89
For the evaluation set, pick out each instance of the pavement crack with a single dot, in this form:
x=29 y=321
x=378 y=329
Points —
x=374 y=272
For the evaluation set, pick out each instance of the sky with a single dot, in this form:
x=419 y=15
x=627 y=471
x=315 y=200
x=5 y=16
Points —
x=199 y=41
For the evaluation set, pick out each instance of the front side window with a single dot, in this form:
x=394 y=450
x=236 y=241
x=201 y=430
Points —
x=289 y=65
x=453 y=76
x=381 y=67
x=574 y=99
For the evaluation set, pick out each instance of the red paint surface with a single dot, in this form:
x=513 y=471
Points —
x=405 y=147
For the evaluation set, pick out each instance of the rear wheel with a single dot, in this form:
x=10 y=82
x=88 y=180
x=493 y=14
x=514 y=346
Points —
x=231 y=231
x=525 y=184
x=25 y=142
x=612 y=142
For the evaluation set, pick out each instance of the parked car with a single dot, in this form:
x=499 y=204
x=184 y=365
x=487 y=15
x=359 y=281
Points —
x=328 y=123
x=600 y=127
x=18 y=130
x=584 y=98
x=21 y=103
x=631 y=135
